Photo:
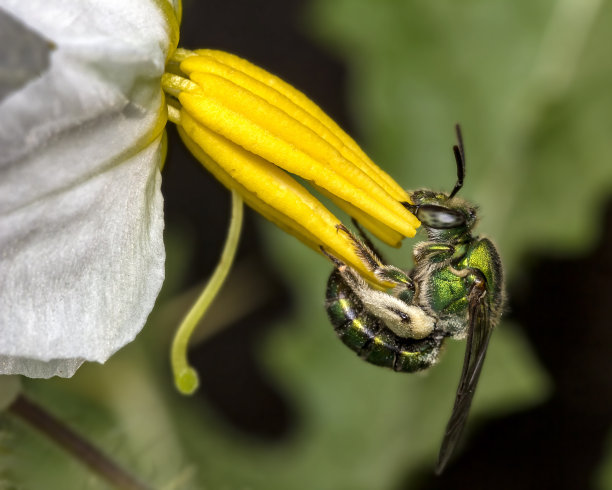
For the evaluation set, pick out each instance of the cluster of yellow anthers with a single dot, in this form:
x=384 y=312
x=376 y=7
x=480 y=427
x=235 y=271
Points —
x=249 y=128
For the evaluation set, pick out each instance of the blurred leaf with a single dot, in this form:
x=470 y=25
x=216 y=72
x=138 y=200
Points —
x=535 y=135
x=603 y=480
x=10 y=386
x=528 y=83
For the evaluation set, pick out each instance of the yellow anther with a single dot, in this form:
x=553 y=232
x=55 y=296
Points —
x=252 y=130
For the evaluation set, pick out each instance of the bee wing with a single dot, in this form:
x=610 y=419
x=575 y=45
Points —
x=479 y=333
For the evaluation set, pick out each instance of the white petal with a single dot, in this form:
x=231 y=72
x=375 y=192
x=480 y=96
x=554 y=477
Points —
x=81 y=213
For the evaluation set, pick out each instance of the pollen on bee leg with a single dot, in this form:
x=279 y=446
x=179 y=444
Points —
x=419 y=325
x=422 y=324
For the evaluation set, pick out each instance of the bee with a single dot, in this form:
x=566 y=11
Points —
x=454 y=290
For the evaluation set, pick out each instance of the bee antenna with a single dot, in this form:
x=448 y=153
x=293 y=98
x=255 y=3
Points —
x=459 y=153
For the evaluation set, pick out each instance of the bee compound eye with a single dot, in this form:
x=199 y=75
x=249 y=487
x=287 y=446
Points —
x=440 y=217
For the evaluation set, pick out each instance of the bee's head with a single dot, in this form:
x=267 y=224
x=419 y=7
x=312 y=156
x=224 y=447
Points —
x=443 y=215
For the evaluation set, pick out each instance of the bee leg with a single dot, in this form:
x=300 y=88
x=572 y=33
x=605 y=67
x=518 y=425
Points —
x=388 y=273
x=366 y=240
x=336 y=261
x=403 y=319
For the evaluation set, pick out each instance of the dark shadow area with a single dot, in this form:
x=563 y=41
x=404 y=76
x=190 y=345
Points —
x=266 y=33
x=563 y=305
x=233 y=381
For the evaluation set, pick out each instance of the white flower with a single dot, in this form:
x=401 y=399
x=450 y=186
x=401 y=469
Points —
x=82 y=139
x=81 y=213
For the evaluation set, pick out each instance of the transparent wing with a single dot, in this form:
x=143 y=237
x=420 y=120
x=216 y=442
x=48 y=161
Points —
x=479 y=333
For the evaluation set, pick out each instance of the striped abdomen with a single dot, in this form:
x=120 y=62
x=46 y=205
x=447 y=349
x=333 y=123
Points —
x=369 y=337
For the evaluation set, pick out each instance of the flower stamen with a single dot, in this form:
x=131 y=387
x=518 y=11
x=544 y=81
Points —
x=235 y=116
x=252 y=131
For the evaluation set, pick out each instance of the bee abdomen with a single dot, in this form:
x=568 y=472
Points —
x=369 y=337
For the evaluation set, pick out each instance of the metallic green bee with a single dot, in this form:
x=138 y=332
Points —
x=454 y=290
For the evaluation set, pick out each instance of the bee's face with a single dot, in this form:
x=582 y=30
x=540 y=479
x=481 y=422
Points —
x=437 y=212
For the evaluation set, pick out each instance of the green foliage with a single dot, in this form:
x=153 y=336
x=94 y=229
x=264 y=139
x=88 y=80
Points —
x=527 y=82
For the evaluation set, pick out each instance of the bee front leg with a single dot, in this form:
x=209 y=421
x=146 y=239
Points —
x=387 y=273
